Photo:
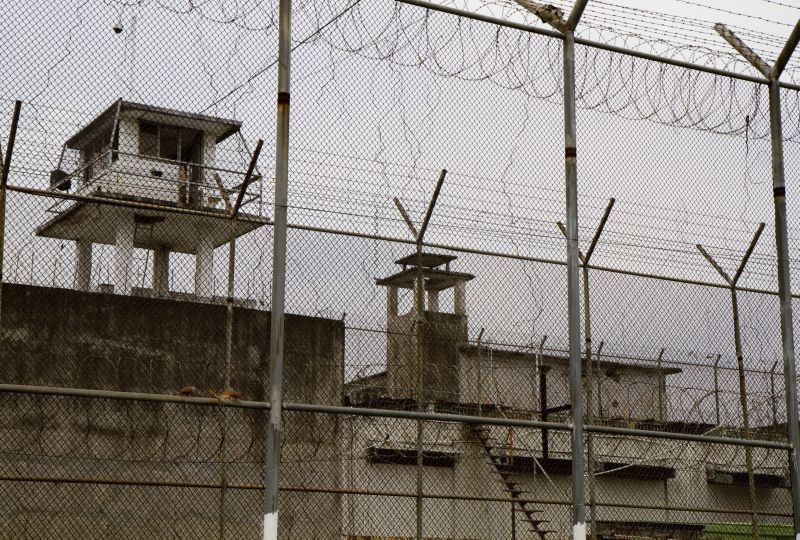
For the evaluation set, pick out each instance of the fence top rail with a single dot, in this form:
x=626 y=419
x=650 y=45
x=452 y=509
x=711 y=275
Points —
x=383 y=413
x=112 y=201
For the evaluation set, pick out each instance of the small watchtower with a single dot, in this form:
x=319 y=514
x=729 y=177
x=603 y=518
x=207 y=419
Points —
x=156 y=159
x=443 y=330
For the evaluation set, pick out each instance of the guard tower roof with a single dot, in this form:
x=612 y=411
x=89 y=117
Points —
x=428 y=260
x=435 y=279
x=221 y=128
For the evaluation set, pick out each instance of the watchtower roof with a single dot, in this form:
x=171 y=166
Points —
x=427 y=260
x=435 y=278
x=220 y=128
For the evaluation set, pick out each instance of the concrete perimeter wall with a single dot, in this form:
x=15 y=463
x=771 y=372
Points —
x=84 y=468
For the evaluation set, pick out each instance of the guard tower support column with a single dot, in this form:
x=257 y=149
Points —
x=83 y=265
x=204 y=269
x=460 y=297
x=160 y=270
x=392 y=303
x=433 y=301
x=123 y=254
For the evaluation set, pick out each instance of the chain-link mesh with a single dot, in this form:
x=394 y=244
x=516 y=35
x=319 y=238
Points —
x=426 y=370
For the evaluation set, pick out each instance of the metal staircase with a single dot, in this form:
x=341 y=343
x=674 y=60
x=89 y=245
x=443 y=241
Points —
x=511 y=480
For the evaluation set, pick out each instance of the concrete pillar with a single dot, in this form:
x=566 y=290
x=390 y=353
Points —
x=209 y=151
x=391 y=301
x=123 y=255
x=160 y=271
x=204 y=269
x=83 y=265
x=460 y=298
x=433 y=300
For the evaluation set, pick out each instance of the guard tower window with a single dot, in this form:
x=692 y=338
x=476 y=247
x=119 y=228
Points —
x=100 y=153
x=170 y=142
x=148 y=139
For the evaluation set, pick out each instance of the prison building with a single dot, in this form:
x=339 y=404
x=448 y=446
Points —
x=130 y=469
x=641 y=484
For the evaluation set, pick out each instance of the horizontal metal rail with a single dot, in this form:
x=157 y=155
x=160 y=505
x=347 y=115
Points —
x=98 y=160
x=369 y=236
x=111 y=201
x=712 y=439
x=167 y=161
x=593 y=44
x=510 y=347
x=364 y=492
x=554 y=502
x=387 y=413
x=131 y=396
x=457 y=249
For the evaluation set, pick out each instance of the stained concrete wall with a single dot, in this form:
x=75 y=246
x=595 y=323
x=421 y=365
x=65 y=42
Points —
x=688 y=493
x=511 y=379
x=440 y=376
x=371 y=516
x=49 y=445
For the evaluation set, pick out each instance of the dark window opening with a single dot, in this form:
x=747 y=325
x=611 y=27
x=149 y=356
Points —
x=408 y=456
x=606 y=469
x=739 y=478
x=636 y=471
x=170 y=142
x=148 y=139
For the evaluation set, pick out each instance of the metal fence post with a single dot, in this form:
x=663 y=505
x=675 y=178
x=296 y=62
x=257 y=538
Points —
x=785 y=295
x=587 y=336
x=419 y=329
x=781 y=241
x=717 y=358
x=276 y=339
x=773 y=396
x=6 y=167
x=737 y=341
x=661 y=409
x=573 y=293
x=554 y=17
x=419 y=332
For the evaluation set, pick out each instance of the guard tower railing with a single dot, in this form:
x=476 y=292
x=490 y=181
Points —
x=159 y=181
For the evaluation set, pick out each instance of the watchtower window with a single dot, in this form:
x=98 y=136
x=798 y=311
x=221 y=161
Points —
x=100 y=153
x=148 y=139
x=170 y=142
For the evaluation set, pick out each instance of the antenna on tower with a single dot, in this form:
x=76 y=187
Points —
x=131 y=40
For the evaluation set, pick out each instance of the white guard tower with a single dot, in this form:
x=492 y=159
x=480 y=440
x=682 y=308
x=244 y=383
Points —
x=154 y=157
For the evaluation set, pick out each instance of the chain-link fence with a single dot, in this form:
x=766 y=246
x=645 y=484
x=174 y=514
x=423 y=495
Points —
x=431 y=383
